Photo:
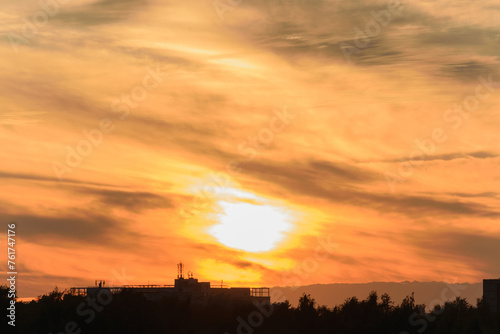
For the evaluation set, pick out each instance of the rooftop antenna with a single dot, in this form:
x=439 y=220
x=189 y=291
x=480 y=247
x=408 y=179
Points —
x=180 y=266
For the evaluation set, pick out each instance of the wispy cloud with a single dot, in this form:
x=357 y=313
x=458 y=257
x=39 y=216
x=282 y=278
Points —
x=21 y=118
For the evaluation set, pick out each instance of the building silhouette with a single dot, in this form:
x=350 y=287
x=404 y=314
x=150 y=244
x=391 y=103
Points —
x=491 y=294
x=185 y=289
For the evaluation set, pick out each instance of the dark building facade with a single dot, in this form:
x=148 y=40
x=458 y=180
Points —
x=491 y=294
x=186 y=289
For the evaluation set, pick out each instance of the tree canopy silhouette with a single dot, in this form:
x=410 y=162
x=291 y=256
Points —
x=129 y=312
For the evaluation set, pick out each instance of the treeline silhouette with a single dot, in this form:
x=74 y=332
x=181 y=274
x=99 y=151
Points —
x=127 y=312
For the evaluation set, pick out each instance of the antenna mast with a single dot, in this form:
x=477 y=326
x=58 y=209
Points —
x=180 y=266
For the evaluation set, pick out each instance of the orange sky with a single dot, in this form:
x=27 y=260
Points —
x=261 y=143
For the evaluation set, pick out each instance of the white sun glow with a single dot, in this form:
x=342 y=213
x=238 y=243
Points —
x=252 y=227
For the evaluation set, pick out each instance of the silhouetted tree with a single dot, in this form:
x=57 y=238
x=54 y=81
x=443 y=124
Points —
x=129 y=312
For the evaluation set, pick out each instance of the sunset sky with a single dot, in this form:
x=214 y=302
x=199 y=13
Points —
x=263 y=143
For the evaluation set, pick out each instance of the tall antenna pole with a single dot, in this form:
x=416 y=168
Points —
x=180 y=266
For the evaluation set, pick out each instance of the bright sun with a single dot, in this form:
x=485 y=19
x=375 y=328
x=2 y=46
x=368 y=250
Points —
x=252 y=227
